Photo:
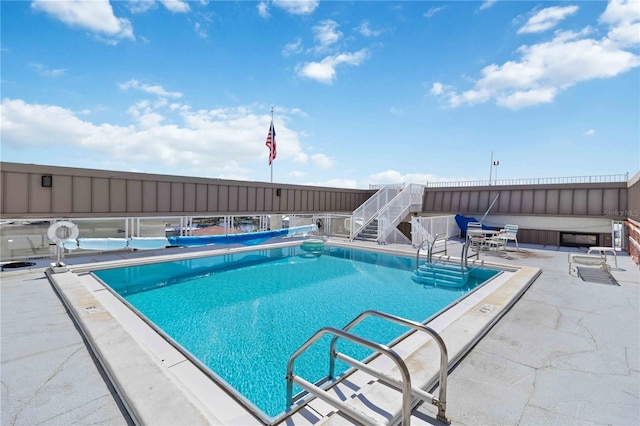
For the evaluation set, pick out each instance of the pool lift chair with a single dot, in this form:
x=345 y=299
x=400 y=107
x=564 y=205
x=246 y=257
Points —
x=411 y=395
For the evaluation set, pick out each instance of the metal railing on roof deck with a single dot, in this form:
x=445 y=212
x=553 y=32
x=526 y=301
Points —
x=380 y=186
x=532 y=181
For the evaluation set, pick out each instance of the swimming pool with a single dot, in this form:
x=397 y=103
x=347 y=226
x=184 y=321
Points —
x=244 y=314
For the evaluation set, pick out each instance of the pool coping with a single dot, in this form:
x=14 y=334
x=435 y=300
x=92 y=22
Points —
x=160 y=386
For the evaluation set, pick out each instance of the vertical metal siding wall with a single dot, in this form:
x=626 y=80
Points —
x=82 y=192
x=594 y=200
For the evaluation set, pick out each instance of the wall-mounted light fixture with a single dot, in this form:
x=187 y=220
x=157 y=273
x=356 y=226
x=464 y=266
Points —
x=47 y=181
x=278 y=192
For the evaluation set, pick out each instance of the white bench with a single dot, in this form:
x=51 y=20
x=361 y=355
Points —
x=589 y=260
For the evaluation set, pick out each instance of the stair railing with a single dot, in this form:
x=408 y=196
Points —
x=370 y=208
x=397 y=209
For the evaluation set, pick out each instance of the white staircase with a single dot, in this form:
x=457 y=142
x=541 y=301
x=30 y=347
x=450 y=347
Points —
x=388 y=208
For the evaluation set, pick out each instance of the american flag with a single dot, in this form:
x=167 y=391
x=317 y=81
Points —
x=271 y=143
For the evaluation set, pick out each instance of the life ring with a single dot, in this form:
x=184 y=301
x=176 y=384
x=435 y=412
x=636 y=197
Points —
x=319 y=223
x=52 y=232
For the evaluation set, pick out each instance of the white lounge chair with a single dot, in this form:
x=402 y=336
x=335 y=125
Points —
x=510 y=233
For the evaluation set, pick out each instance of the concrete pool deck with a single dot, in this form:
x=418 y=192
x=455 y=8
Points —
x=567 y=352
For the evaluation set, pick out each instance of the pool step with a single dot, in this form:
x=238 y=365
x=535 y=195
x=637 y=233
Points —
x=441 y=274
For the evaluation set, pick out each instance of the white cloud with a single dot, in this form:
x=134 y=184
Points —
x=96 y=16
x=325 y=70
x=391 y=177
x=176 y=6
x=43 y=70
x=590 y=132
x=543 y=71
x=429 y=13
x=437 y=88
x=326 y=34
x=547 y=19
x=297 y=174
x=263 y=9
x=221 y=143
x=292 y=48
x=322 y=161
x=487 y=4
x=623 y=18
x=297 y=7
x=335 y=183
x=396 y=111
x=365 y=29
x=147 y=88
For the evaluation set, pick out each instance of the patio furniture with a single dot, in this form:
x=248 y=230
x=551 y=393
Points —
x=603 y=252
x=510 y=232
x=589 y=260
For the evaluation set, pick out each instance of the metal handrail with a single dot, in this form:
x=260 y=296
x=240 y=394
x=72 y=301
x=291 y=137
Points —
x=441 y=401
x=430 y=248
x=393 y=355
x=534 y=181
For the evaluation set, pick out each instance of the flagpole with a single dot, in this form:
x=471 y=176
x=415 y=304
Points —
x=272 y=141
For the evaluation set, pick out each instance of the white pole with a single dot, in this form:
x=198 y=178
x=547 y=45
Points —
x=491 y=168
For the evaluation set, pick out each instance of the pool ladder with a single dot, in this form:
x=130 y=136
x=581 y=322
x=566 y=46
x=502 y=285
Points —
x=408 y=392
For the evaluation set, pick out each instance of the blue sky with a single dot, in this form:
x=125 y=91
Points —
x=363 y=92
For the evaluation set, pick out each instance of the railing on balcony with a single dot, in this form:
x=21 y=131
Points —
x=426 y=228
x=533 y=181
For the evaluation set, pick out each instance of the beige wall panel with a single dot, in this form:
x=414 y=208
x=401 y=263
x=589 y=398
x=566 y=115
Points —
x=297 y=200
x=39 y=197
x=474 y=200
x=291 y=199
x=118 y=195
x=515 y=203
x=164 y=196
x=16 y=193
x=464 y=201
x=233 y=199
x=438 y=202
x=553 y=201
x=304 y=202
x=594 y=202
x=323 y=201
x=252 y=197
x=177 y=197
x=610 y=201
x=100 y=195
x=2 y=191
x=630 y=200
x=189 y=197
x=242 y=199
x=134 y=196
x=484 y=201
x=503 y=203
x=149 y=196
x=455 y=201
x=539 y=201
x=527 y=199
x=316 y=201
x=567 y=202
x=62 y=195
x=265 y=198
x=213 y=200
x=580 y=201
x=201 y=197
x=446 y=201
x=223 y=198
x=81 y=194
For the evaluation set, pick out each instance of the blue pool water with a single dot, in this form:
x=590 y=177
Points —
x=244 y=314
